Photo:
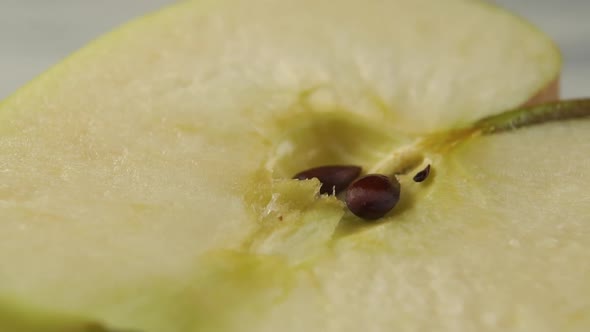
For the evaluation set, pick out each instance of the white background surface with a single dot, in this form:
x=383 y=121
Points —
x=35 y=34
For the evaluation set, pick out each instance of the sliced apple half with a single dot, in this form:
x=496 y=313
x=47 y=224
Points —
x=145 y=182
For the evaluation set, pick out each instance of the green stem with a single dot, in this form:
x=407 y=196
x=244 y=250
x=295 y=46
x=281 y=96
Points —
x=507 y=121
x=410 y=156
x=533 y=115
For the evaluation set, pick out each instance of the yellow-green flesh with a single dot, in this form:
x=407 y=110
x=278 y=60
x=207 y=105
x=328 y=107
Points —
x=144 y=181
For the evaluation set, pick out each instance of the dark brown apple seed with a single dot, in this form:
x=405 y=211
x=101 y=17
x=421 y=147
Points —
x=372 y=196
x=422 y=175
x=333 y=178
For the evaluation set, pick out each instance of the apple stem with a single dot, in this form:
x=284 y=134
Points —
x=532 y=115
x=408 y=157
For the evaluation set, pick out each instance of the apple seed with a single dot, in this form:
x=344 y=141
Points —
x=372 y=196
x=422 y=175
x=334 y=178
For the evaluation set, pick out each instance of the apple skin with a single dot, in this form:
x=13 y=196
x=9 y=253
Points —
x=547 y=94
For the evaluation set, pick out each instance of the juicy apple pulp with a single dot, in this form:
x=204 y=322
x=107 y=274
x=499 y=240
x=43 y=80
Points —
x=145 y=181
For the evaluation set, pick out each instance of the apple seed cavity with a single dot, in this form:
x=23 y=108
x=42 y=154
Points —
x=333 y=178
x=422 y=175
x=373 y=196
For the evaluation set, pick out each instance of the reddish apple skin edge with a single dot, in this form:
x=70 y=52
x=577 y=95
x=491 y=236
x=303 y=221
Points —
x=549 y=93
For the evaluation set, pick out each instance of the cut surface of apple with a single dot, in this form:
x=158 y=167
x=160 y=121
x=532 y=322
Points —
x=145 y=181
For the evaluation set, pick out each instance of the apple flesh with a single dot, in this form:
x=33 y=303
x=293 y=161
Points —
x=145 y=181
